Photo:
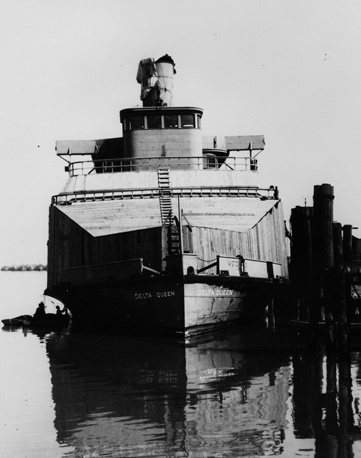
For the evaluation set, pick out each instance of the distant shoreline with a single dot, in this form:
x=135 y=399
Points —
x=24 y=268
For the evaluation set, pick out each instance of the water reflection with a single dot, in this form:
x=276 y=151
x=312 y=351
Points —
x=235 y=395
x=138 y=397
x=324 y=407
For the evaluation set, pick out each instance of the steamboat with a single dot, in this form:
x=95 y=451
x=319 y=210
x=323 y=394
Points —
x=164 y=229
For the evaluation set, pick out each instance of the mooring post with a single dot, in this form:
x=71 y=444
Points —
x=301 y=258
x=347 y=255
x=340 y=297
x=343 y=251
x=323 y=256
x=316 y=261
x=326 y=224
x=347 y=242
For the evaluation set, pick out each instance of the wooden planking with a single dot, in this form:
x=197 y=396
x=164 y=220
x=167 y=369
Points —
x=105 y=218
x=242 y=143
x=75 y=147
x=71 y=246
x=110 y=217
x=227 y=213
x=97 y=232
x=265 y=242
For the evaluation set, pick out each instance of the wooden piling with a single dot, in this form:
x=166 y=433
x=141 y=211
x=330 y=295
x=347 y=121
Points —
x=340 y=293
x=323 y=259
x=323 y=197
x=347 y=242
x=301 y=258
x=319 y=252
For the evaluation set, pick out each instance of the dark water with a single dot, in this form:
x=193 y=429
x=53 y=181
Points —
x=239 y=394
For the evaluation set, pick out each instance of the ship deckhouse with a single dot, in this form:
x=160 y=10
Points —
x=162 y=132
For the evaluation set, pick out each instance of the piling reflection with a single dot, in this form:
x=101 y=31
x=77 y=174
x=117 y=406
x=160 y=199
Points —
x=124 y=396
x=323 y=404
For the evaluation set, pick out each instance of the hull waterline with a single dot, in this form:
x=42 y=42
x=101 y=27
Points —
x=184 y=306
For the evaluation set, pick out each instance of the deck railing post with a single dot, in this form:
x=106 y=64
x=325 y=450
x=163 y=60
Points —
x=179 y=162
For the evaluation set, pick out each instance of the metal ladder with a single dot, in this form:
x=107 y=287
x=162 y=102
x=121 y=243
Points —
x=166 y=210
x=165 y=201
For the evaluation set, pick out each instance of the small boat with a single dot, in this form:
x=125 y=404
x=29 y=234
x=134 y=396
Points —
x=22 y=320
x=49 y=320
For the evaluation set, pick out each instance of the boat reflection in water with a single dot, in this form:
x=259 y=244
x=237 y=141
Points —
x=124 y=396
x=240 y=394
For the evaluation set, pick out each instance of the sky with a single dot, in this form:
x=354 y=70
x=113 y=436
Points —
x=288 y=70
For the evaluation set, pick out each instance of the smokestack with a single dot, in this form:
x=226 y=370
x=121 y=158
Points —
x=156 y=79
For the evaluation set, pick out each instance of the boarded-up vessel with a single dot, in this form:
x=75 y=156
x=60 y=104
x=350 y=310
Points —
x=165 y=229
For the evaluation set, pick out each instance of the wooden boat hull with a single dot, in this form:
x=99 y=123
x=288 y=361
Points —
x=21 y=320
x=50 y=321
x=188 y=305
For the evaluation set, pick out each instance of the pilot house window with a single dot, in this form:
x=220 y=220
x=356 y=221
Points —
x=199 y=121
x=137 y=122
x=162 y=121
x=170 y=121
x=187 y=120
x=154 y=122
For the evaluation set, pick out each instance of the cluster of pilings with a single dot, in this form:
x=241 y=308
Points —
x=319 y=251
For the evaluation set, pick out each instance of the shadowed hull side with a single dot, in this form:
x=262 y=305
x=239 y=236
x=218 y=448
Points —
x=186 y=306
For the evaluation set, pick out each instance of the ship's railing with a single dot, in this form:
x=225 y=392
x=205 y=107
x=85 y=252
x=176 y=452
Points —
x=212 y=163
x=151 y=193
